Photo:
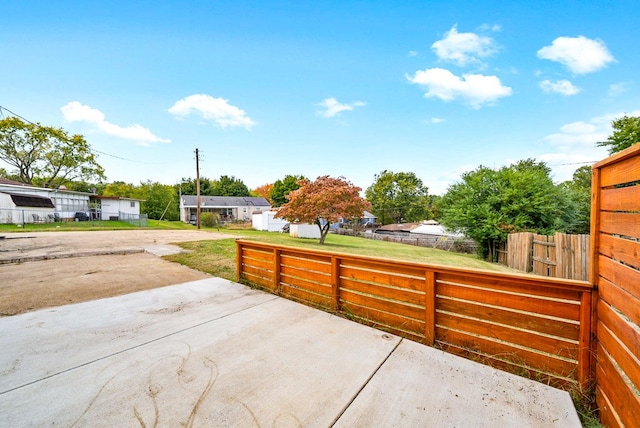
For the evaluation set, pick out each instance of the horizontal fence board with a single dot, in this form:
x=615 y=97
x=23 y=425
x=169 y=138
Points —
x=258 y=271
x=306 y=257
x=620 y=199
x=307 y=296
x=535 y=286
x=291 y=281
x=311 y=265
x=257 y=263
x=552 y=327
x=319 y=277
x=626 y=403
x=376 y=302
x=617 y=297
x=491 y=348
x=389 y=278
x=608 y=417
x=257 y=254
x=403 y=295
x=626 y=224
x=261 y=280
x=625 y=361
x=627 y=333
x=550 y=345
x=620 y=274
x=620 y=249
x=621 y=172
x=388 y=320
x=397 y=268
x=528 y=303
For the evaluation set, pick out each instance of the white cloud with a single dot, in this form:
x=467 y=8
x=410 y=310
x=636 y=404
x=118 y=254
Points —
x=563 y=87
x=474 y=89
x=412 y=54
x=575 y=144
x=616 y=89
x=74 y=111
x=436 y=120
x=580 y=55
x=463 y=49
x=217 y=110
x=331 y=107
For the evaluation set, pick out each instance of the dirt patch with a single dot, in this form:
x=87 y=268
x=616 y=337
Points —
x=58 y=268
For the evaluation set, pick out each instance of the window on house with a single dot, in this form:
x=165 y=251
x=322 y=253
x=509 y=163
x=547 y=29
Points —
x=133 y=204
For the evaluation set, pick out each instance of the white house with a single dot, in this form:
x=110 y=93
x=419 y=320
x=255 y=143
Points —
x=229 y=208
x=114 y=207
x=32 y=204
x=23 y=203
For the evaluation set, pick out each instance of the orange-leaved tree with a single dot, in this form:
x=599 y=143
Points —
x=263 y=191
x=322 y=202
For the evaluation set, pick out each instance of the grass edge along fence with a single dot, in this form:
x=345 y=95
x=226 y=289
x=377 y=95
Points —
x=615 y=238
x=540 y=327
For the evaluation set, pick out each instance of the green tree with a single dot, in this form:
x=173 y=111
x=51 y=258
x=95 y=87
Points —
x=579 y=190
x=489 y=204
x=399 y=197
x=229 y=186
x=46 y=156
x=322 y=202
x=626 y=133
x=120 y=189
x=187 y=186
x=281 y=188
x=158 y=200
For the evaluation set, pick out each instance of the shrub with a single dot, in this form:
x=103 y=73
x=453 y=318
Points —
x=209 y=219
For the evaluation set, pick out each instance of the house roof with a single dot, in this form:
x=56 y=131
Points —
x=31 y=201
x=11 y=182
x=224 y=201
x=434 y=229
x=398 y=227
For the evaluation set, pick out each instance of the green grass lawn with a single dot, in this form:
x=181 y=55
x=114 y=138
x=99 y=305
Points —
x=91 y=225
x=218 y=257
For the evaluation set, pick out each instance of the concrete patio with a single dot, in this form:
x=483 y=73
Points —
x=216 y=353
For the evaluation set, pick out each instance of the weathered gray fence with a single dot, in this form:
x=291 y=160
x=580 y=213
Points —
x=558 y=256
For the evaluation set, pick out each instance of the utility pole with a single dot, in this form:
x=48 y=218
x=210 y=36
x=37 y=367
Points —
x=198 y=189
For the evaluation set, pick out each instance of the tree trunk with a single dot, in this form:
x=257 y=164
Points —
x=324 y=231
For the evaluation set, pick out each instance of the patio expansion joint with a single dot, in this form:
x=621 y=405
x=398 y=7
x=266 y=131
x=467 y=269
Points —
x=364 y=385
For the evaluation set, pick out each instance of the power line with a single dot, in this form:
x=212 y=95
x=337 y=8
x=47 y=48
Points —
x=94 y=150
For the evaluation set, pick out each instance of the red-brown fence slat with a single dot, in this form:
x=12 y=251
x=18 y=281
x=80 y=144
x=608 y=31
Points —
x=545 y=325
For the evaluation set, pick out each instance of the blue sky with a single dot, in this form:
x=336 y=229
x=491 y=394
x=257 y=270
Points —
x=344 y=88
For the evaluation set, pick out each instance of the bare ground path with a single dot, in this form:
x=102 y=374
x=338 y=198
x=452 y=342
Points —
x=46 y=269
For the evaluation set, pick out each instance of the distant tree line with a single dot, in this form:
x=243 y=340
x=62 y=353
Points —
x=486 y=204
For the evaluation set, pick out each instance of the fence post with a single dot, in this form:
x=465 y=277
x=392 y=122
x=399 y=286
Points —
x=585 y=340
x=430 y=308
x=238 y=261
x=335 y=282
x=276 y=270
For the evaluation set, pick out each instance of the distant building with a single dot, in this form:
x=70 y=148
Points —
x=229 y=208
x=114 y=207
x=23 y=203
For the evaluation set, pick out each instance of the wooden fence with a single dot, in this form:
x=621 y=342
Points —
x=615 y=237
x=558 y=256
x=516 y=322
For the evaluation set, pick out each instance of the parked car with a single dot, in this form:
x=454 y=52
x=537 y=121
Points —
x=81 y=216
